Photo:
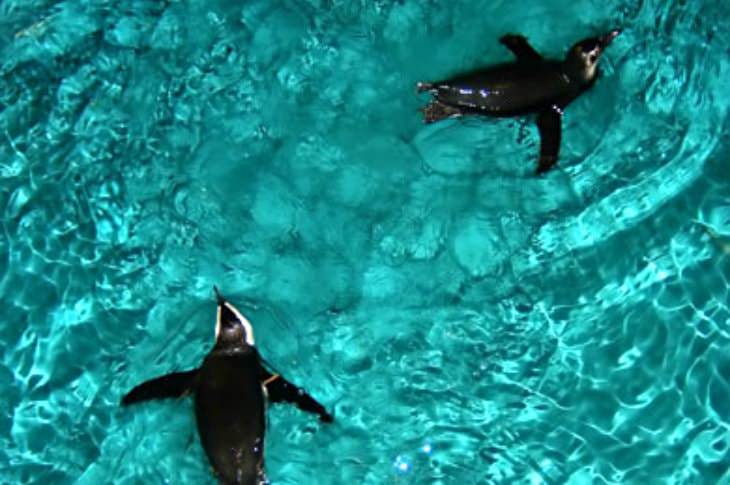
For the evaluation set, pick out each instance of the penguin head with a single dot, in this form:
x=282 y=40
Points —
x=582 y=59
x=232 y=329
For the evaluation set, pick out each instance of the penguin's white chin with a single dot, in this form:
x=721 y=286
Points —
x=248 y=328
x=587 y=71
x=246 y=324
x=590 y=71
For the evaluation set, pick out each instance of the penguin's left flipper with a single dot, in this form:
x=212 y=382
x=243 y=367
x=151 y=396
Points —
x=520 y=47
x=172 y=385
x=549 y=124
x=281 y=390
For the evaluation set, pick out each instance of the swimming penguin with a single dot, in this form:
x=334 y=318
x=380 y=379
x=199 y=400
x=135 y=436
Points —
x=532 y=84
x=231 y=390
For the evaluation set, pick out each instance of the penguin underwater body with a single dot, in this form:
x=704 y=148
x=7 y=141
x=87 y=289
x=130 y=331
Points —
x=231 y=389
x=531 y=85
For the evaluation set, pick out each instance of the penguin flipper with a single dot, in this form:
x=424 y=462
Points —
x=549 y=125
x=172 y=385
x=520 y=48
x=279 y=389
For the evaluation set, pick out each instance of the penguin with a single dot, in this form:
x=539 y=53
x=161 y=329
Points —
x=531 y=85
x=231 y=390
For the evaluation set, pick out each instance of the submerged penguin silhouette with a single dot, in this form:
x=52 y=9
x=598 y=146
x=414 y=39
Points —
x=231 y=389
x=530 y=85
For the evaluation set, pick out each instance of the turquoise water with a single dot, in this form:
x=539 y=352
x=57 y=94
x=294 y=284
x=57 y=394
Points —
x=468 y=322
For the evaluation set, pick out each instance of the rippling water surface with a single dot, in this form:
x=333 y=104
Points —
x=469 y=322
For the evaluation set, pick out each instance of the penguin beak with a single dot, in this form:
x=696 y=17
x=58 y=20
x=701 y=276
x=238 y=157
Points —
x=218 y=297
x=231 y=323
x=605 y=40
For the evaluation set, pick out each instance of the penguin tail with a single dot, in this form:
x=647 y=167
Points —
x=436 y=111
x=421 y=87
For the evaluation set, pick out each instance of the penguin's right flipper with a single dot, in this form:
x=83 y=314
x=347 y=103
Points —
x=520 y=47
x=549 y=124
x=279 y=389
x=436 y=111
x=172 y=385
